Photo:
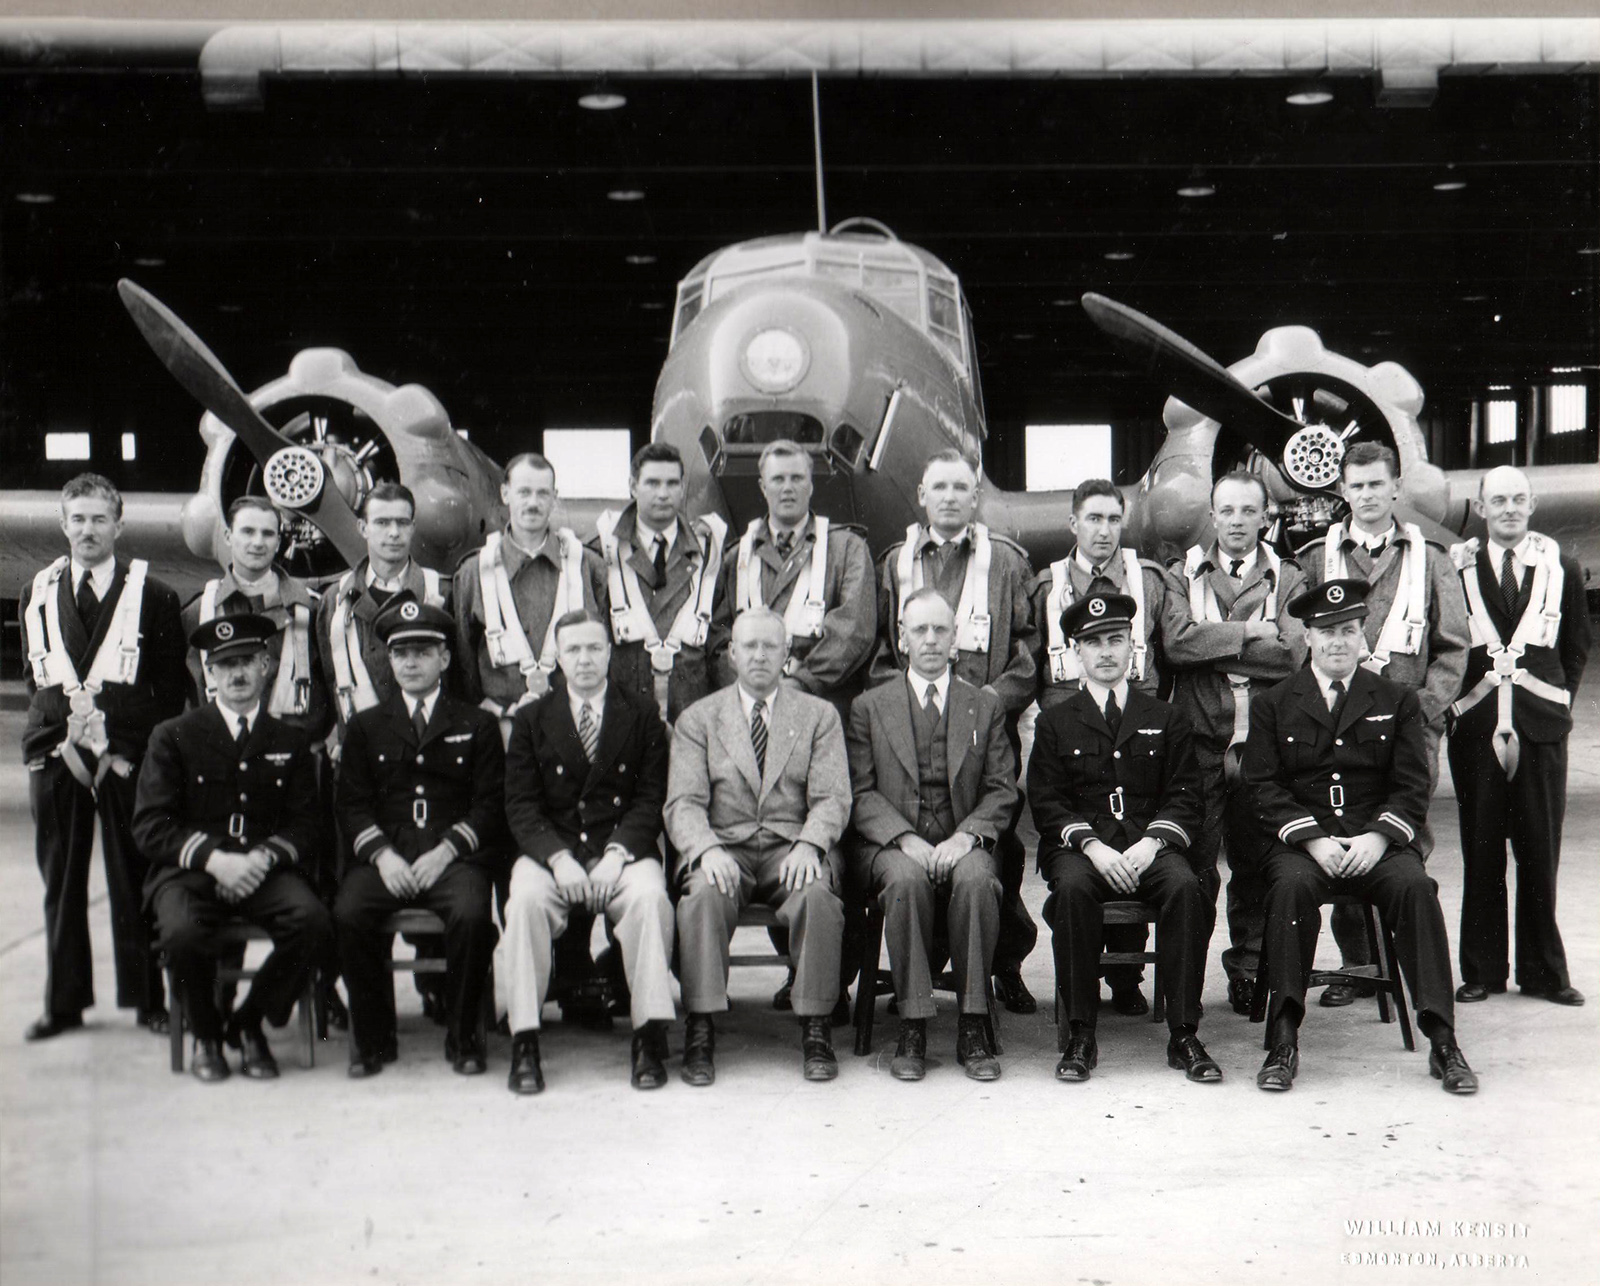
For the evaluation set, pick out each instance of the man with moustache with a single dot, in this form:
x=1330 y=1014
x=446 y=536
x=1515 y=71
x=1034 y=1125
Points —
x=1529 y=621
x=984 y=577
x=105 y=650
x=227 y=813
x=935 y=782
x=1336 y=767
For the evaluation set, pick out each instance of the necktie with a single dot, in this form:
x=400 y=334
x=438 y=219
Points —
x=419 y=719
x=661 y=568
x=784 y=542
x=930 y=703
x=380 y=596
x=243 y=733
x=1236 y=568
x=1335 y=695
x=88 y=602
x=1375 y=552
x=1508 y=581
x=1113 y=713
x=758 y=735
x=588 y=731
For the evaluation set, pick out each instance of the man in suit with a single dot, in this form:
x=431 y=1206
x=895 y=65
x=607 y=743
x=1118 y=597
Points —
x=1336 y=765
x=1415 y=632
x=105 y=650
x=1508 y=745
x=421 y=793
x=1115 y=794
x=984 y=576
x=1238 y=642
x=227 y=814
x=586 y=776
x=935 y=782
x=757 y=797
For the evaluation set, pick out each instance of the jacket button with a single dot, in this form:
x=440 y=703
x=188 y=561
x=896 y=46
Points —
x=419 y=790
x=583 y=836
x=1338 y=741
x=617 y=802
x=243 y=797
x=1336 y=776
x=622 y=767
x=1077 y=752
x=243 y=767
x=419 y=759
x=559 y=769
x=1338 y=812
x=1116 y=754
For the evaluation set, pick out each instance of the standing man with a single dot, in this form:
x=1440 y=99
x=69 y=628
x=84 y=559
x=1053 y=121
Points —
x=1508 y=744
x=586 y=777
x=935 y=783
x=105 y=665
x=984 y=577
x=757 y=797
x=422 y=794
x=1115 y=794
x=1241 y=642
x=226 y=813
x=661 y=577
x=1415 y=630
x=1336 y=767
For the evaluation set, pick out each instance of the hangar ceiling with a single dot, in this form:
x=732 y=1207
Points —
x=516 y=252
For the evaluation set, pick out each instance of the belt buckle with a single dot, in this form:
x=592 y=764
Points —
x=1118 y=803
x=419 y=812
x=1336 y=796
x=236 y=826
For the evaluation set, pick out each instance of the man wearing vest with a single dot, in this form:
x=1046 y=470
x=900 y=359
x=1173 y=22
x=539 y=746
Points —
x=1415 y=629
x=935 y=782
x=105 y=656
x=1336 y=767
x=227 y=813
x=421 y=793
x=661 y=577
x=1241 y=642
x=1116 y=798
x=1099 y=563
x=1508 y=741
x=985 y=578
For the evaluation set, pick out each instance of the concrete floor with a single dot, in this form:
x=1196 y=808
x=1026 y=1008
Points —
x=114 y=1170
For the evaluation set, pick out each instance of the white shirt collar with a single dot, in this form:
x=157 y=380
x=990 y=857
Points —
x=1521 y=552
x=1224 y=561
x=1387 y=536
x=393 y=585
x=748 y=702
x=1099 y=690
x=231 y=717
x=956 y=539
x=775 y=528
x=1092 y=569
x=597 y=703
x=100 y=577
x=428 y=703
x=1325 y=681
x=645 y=538
x=919 y=687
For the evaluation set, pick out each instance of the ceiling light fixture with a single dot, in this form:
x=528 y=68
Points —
x=1119 y=256
x=1063 y=303
x=1450 y=185
x=1473 y=299
x=1309 y=97
x=230 y=308
x=1197 y=188
x=1590 y=250
x=625 y=194
x=36 y=198
x=602 y=101
x=150 y=261
x=639 y=260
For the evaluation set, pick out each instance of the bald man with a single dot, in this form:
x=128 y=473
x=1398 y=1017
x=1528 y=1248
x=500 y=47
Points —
x=1508 y=739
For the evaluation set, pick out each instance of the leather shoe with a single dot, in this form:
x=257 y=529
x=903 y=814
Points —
x=1081 y=1058
x=1012 y=992
x=1241 y=992
x=52 y=1025
x=1279 y=1071
x=911 y=1053
x=466 y=1055
x=1448 y=1065
x=156 y=1021
x=972 y=1048
x=1556 y=995
x=335 y=1017
x=817 y=1062
x=208 y=1064
x=1336 y=995
x=1186 y=1052
x=648 y=1057
x=363 y=1064
x=699 y=1051
x=527 y=1076
x=780 y=998
x=1471 y=992
x=255 y=1057
x=1130 y=1001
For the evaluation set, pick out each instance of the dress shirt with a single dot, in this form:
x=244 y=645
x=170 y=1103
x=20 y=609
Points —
x=645 y=538
x=1521 y=556
x=231 y=717
x=1385 y=537
x=1325 y=682
x=100 y=576
x=1224 y=562
x=1093 y=569
x=597 y=703
x=427 y=703
x=919 y=688
x=394 y=584
x=1099 y=692
x=748 y=703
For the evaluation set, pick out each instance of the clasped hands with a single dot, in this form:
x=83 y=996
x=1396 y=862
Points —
x=407 y=879
x=937 y=859
x=1347 y=858
x=591 y=889
x=238 y=875
x=1122 y=870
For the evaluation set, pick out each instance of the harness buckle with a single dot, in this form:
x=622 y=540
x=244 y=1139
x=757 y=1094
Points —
x=1336 y=796
x=1118 y=803
x=236 y=826
x=419 y=812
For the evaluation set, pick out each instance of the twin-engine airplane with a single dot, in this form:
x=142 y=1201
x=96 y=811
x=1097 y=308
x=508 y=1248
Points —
x=853 y=343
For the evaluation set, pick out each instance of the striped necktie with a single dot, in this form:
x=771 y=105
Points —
x=758 y=735
x=589 y=731
x=1509 y=588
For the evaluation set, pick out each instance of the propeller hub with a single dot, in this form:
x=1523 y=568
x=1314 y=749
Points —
x=1312 y=456
x=293 y=478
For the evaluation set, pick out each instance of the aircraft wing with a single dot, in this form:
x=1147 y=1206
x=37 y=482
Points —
x=1568 y=512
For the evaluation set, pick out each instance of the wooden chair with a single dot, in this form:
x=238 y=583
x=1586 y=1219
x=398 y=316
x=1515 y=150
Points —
x=414 y=922
x=757 y=915
x=1380 y=942
x=237 y=932
x=1131 y=913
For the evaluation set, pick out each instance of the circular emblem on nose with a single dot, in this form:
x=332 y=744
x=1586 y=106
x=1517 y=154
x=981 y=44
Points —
x=1097 y=607
x=409 y=611
x=224 y=631
x=1335 y=593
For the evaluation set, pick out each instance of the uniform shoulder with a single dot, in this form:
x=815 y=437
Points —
x=1008 y=544
x=161 y=592
x=844 y=529
x=470 y=558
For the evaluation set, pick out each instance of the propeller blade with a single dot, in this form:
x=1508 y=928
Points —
x=196 y=367
x=1191 y=376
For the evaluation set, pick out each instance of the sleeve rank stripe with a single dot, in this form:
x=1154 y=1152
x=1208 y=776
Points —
x=1398 y=823
x=1299 y=823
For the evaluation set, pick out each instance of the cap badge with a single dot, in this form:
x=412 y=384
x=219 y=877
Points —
x=1097 y=607
x=1335 y=594
x=223 y=631
x=409 y=611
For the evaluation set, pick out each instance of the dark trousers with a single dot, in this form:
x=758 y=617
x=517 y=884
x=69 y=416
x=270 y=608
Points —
x=968 y=902
x=188 y=912
x=64 y=815
x=1406 y=898
x=1528 y=810
x=1229 y=829
x=1184 y=919
x=461 y=898
x=1018 y=933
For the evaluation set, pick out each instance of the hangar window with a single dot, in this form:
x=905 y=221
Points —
x=1569 y=408
x=66 y=446
x=1502 y=417
x=1060 y=456
x=590 y=464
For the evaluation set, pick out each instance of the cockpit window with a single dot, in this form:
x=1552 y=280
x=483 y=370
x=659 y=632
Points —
x=691 y=292
x=757 y=428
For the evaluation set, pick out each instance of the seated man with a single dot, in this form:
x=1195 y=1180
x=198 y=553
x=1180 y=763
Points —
x=1337 y=766
x=757 y=797
x=421 y=794
x=1115 y=794
x=935 y=784
x=226 y=813
x=586 y=775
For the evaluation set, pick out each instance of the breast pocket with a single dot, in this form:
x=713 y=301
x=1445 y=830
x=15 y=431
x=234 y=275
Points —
x=1144 y=759
x=1374 y=741
x=1298 y=748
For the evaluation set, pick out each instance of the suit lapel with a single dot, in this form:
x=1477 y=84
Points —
x=1357 y=701
x=961 y=723
x=73 y=636
x=1132 y=713
x=1494 y=602
x=108 y=610
x=615 y=723
x=1310 y=693
x=400 y=717
x=561 y=734
x=782 y=730
x=1089 y=712
x=440 y=722
x=736 y=738
x=902 y=732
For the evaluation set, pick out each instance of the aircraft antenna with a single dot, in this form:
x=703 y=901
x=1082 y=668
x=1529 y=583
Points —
x=816 y=135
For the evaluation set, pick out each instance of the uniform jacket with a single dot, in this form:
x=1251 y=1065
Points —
x=1310 y=777
x=533 y=588
x=1435 y=672
x=556 y=799
x=1203 y=653
x=833 y=666
x=1077 y=766
x=392 y=791
x=1010 y=666
x=630 y=663
x=200 y=792
x=132 y=710
x=1534 y=718
x=292 y=592
x=885 y=774
x=715 y=795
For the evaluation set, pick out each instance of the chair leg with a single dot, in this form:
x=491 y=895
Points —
x=1158 y=1007
x=174 y=1022
x=486 y=1009
x=994 y=1017
x=1386 y=966
x=1392 y=968
x=308 y=1021
x=867 y=984
x=1258 y=993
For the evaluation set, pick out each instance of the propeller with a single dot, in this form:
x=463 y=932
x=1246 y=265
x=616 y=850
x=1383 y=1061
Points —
x=293 y=475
